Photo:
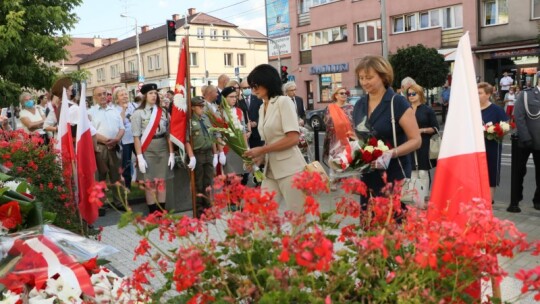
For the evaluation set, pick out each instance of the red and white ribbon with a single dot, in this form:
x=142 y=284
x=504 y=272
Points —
x=151 y=128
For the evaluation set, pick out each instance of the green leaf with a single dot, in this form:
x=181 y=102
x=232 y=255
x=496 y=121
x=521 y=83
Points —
x=126 y=218
x=35 y=216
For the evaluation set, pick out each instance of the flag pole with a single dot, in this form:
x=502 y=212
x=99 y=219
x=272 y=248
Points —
x=188 y=115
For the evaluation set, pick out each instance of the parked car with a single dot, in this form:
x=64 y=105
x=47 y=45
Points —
x=315 y=118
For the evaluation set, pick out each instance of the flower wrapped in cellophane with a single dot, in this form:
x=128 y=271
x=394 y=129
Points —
x=232 y=134
x=47 y=264
x=356 y=157
x=497 y=131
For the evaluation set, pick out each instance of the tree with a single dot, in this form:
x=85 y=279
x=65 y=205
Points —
x=33 y=33
x=425 y=65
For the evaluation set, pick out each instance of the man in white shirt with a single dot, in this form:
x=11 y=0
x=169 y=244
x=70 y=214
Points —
x=505 y=83
x=110 y=130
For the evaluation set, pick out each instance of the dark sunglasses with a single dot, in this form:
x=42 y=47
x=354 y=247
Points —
x=411 y=94
x=342 y=93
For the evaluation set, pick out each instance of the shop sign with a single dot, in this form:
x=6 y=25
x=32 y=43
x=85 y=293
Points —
x=515 y=53
x=329 y=68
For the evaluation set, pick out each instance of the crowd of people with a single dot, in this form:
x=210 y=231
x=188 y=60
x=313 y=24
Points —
x=271 y=118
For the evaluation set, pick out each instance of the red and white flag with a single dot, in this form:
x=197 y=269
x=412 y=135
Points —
x=64 y=142
x=461 y=174
x=86 y=163
x=179 y=116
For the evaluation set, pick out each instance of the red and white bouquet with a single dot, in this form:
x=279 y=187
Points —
x=358 y=155
x=497 y=131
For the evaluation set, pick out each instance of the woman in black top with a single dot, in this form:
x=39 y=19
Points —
x=427 y=123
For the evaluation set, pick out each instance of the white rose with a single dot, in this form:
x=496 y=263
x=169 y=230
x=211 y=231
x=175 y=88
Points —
x=505 y=126
x=490 y=129
x=369 y=149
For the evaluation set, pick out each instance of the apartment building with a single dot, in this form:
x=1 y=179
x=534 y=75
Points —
x=215 y=47
x=329 y=37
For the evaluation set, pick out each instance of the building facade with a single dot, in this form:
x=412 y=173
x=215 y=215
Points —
x=215 y=47
x=329 y=37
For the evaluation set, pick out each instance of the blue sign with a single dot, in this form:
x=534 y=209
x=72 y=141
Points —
x=329 y=68
x=141 y=78
x=236 y=71
x=277 y=18
x=291 y=77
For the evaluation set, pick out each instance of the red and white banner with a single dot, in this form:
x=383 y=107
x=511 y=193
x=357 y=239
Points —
x=64 y=143
x=461 y=174
x=86 y=163
x=179 y=115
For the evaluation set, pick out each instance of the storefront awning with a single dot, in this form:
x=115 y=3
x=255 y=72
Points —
x=449 y=54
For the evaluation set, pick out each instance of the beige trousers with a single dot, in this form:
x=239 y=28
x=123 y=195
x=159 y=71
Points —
x=287 y=197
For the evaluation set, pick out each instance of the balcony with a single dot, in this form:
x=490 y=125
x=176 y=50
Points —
x=304 y=19
x=305 y=57
x=129 y=77
x=450 y=38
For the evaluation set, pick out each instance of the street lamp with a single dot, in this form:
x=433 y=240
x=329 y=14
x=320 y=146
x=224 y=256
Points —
x=139 y=63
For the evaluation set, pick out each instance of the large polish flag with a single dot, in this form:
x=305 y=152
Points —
x=179 y=115
x=64 y=142
x=461 y=174
x=86 y=162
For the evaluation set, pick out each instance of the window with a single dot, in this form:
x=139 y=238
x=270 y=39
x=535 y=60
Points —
x=200 y=32
x=150 y=61
x=405 y=23
x=424 y=20
x=399 y=24
x=225 y=34
x=410 y=23
x=157 y=62
x=213 y=34
x=114 y=71
x=241 y=60
x=100 y=74
x=193 y=59
x=368 y=31
x=434 y=18
x=535 y=9
x=131 y=66
x=323 y=37
x=452 y=17
x=495 y=12
x=227 y=60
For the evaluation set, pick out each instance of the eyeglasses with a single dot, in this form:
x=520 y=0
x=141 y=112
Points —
x=411 y=94
x=101 y=94
x=245 y=88
x=342 y=93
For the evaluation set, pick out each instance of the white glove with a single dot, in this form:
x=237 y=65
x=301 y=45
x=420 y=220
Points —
x=222 y=158
x=192 y=163
x=215 y=160
x=171 y=161
x=142 y=163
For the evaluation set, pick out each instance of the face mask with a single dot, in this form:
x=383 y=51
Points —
x=246 y=92
x=29 y=103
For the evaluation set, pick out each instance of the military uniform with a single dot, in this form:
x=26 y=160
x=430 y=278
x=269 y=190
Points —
x=201 y=140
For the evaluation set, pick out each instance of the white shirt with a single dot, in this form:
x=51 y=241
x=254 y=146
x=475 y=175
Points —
x=506 y=82
x=128 y=135
x=107 y=121
x=37 y=116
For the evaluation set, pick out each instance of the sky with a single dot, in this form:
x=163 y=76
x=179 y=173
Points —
x=102 y=17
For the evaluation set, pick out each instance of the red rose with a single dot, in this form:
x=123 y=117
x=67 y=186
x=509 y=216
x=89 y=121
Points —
x=373 y=142
x=367 y=157
x=376 y=154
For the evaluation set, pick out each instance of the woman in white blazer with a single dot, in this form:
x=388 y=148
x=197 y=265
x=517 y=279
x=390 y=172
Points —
x=278 y=127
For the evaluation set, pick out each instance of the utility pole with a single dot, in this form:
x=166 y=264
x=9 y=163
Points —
x=384 y=25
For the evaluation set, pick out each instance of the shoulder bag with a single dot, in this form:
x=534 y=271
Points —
x=435 y=144
x=415 y=189
x=316 y=167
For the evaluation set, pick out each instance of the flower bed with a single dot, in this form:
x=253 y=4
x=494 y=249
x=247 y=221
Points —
x=378 y=255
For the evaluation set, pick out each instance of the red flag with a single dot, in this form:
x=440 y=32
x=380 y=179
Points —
x=64 y=142
x=179 y=109
x=86 y=163
x=461 y=174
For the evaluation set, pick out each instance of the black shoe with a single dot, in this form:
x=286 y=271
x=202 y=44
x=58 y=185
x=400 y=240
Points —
x=536 y=206
x=102 y=211
x=513 y=209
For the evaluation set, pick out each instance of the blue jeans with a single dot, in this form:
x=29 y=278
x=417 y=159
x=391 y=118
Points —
x=127 y=166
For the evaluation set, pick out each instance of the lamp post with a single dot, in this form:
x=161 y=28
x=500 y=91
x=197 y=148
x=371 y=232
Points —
x=139 y=63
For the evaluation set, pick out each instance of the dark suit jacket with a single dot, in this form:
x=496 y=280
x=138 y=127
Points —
x=218 y=99
x=243 y=106
x=300 y=110
x=253 y=114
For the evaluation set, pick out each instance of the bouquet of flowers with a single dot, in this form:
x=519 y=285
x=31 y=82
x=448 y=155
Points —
x=357 y=156
x=232 y=134
x=496 y=131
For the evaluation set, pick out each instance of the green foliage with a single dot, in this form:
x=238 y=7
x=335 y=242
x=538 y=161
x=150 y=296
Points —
x=32 y=34
x=425 y=65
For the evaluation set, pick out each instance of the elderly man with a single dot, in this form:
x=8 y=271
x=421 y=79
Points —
x=109 y=132
x=405 y=84
x=527 y=117
x=210 y=94
x=221 y=83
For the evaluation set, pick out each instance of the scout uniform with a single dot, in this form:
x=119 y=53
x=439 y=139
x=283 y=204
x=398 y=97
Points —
x=201 y=140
